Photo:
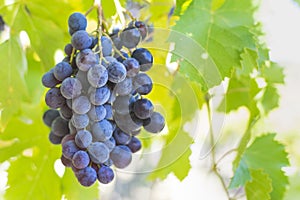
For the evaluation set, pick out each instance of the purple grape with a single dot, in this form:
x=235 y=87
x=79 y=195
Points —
x=80 y=159
x=81 y=105
x=68 y=49
x=62 y=70
x=81 y=40
x=60 y=127
x=155 y=123
x=77 y=21
x=69 y=148
x=86 y=176
x=132 y=67
x=83 y=139
x=97 y=113
x=116 y=72
x=65 y=112
x=134 y=144
x=124 y=87
x=54 y=98
x=121 y=156
x=130 y=37
x=49 y=80
x=144 y=57
x=71 y=88
x=86 y=59
x=80 y=121
x=121 y=137
x=102 y=130
x=143 y=108
x=142 y=84
x=54 y=139
x=49 y=116
x=97 y=76
x=105 y=175
x=65 y=161
x=98 y=152
x=99 y=96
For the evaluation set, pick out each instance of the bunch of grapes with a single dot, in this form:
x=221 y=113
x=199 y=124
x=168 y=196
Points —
x=96 y=101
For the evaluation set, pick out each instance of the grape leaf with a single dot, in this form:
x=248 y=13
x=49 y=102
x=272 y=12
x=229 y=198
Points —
x=241 y=92
x=73 y=190
x=242 y=175
x=270 y=99
x=273 y=73
x=224 y=32
x=12 y=79
x=181 y=6
x=268 y=155
x=259 y=187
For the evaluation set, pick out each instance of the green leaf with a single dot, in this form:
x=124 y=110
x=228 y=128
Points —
x=11 y=79
x=268 y=155
x=223 y=34
x=175 y=157
x=181 y=6
x=273 y=73
x=259 y=187
x=270 y=99
x=73 y=190
x=249 y=62
x=241 y=92
x=241 y=175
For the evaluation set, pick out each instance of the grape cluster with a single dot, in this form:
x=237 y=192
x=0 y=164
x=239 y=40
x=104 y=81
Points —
x=96 y=101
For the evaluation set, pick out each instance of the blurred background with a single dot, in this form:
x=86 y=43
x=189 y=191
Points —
x=280 y=20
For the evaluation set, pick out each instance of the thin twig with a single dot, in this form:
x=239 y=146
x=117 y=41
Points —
x=212 y=143
x=224 y=155
x=120 y=9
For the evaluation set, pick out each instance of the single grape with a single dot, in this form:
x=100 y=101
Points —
x=86 y=176
x=124 y=87
x=144 y=57
x=155 y=123
x=54 y=139
x=102 y=130
x=109 y=112
x=130 y=37
x=80 y=121
x=97 y=113
x=70 y=88
x=86 y=59
x=142 y=84
x=54 y=98
x=69 y=148
x=65 y=112
x=80 y=159
x=62 y=70
x=143 y=108
x=60 y=127
x=49 y=80
x=67 y=138
x=134 y=144
x=81 y=105
x=65 y=161
x=49 y=116
x=83 y=139
x=121 y=137
x=97 y=76
x=94 y=42
x=68 y=49
x=106 y=46
x=105 y=175
x=77 y=21
x=116 y=72
x=132 y=66
x=98 y=152
x=99 y=96
x=121 y=105
x=121 y=156
x=81 y=40
x=110 y=143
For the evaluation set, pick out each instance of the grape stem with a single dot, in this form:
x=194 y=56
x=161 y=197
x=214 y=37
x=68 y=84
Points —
x=72 y=55
x=214 y=167
x=120 y=9
x=114 y=47
x=99 y=25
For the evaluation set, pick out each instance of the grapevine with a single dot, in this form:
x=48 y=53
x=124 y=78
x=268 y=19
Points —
x=96 y=99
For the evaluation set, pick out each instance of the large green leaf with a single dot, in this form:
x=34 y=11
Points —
x=222 y=29
x=267 y=155
x=12 y=81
